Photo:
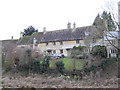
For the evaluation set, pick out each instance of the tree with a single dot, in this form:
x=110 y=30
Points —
x=97 y=20
x=109 y=21
x=98 y=23
x=106 y=24
x=29 y=31
x=105 y=18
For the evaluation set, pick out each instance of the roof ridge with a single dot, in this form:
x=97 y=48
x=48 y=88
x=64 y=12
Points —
x=69 y=29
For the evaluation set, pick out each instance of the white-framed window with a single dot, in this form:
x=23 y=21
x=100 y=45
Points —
x=113 y=51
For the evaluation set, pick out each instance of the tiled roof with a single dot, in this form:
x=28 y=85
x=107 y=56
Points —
x=59 y=35
x=65 y=34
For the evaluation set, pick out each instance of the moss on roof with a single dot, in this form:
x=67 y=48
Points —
x=29 y=39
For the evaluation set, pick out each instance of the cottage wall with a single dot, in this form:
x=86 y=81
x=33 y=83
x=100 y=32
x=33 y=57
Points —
x=56 y=48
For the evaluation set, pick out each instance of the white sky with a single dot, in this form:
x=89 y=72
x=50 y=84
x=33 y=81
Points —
x=16 y=15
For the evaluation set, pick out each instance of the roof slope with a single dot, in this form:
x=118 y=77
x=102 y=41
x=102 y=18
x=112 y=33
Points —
x=29 y=39
x=65 y=34
x=59 y=35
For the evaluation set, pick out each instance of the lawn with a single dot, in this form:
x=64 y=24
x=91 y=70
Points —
x=68 y=63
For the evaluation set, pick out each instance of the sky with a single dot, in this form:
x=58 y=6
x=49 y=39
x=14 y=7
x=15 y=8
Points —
x=17 y=15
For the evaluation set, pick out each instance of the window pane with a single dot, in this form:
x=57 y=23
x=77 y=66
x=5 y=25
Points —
x=61 y=43
x=54 y=43
x=77 y=41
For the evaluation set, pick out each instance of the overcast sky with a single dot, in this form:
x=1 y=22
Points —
x=16 y=15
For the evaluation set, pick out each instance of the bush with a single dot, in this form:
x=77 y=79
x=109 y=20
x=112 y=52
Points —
x=100 y=51
x=77 y=52
x=41 y=66
x=81 y=56
x=108 y=62
x=36 y=65
x=45 y=64
x=79 y=47
x=60 y=66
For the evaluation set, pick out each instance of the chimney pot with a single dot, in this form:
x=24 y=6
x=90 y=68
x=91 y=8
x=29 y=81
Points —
x=11 y=37
x=74 y=25
x=44 y=30
x=69 y=25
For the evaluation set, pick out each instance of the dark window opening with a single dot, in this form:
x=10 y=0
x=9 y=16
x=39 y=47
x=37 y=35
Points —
x=54 y=51
x=54 y=43
x=113 y=51
x=61 y=51
x=61 y=43
x=94 y=40
x=77 y=41
x=49 y=51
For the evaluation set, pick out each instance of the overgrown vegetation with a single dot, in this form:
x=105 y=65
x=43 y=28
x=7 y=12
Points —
x=79 y=47
x=40 y=66
x=99 y=51
x=26 y=60
x=78 y=52
x=60 y=66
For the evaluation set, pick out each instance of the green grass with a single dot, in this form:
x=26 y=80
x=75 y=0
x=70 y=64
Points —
x=52 y=63
x=68 y=63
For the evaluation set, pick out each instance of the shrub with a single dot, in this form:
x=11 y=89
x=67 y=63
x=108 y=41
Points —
x=79 y=47
x=108 y=62
x=40 y=65
x=45 y=64
x=78 y=52
x=60 y=67
x=36 y=65
x=100 y=51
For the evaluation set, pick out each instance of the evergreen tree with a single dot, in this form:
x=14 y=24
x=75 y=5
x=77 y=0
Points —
x=105 y=20
x=109 y=21
x=29 y=31
x=98 y=23
x=97 y=20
